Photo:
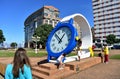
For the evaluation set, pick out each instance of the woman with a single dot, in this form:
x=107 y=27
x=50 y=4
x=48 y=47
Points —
x=20 y=68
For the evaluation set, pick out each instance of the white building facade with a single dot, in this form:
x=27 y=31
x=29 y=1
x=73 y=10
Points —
x=106 y=18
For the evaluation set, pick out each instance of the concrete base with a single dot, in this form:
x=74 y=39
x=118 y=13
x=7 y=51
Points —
x=73 y=58
x=49 y=70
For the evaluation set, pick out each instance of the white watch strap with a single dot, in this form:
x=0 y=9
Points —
x=83 y=29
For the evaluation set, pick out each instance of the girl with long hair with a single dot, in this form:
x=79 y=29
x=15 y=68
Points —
x=20 y=68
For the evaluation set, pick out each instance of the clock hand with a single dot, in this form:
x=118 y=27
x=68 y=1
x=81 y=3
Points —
x=57 y=37
x=61 y=38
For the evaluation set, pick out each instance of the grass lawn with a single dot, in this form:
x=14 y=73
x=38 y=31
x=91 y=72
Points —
x=117 y=56
x=30 y=53
x=41 y=53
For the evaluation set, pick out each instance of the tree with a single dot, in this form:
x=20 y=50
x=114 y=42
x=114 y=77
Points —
x=2 y=39
x=117 y=40
x=110 y=39
x=43 y=32
x=13 y=44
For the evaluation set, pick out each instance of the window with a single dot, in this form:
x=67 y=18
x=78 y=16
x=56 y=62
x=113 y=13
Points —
x=56 y=15
x=45 y=14
x=50 y=21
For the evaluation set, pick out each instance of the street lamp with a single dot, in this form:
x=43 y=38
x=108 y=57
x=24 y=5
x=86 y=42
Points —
x=102 y=44
x=35 y=38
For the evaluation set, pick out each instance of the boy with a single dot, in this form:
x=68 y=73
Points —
x=60 y=61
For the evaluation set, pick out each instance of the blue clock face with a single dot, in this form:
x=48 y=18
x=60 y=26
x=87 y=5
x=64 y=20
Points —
x=60 y=39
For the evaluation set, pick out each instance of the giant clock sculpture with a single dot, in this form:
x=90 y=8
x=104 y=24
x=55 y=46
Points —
x=61 y=39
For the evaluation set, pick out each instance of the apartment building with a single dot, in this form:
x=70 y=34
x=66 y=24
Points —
x=106 y=18
x=45 y=15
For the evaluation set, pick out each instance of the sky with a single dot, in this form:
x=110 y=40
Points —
x=13 y=13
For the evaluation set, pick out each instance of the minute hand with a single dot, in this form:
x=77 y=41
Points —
x=57 y=37
x=61 y=38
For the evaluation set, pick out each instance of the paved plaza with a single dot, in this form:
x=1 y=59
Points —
x=100 y=71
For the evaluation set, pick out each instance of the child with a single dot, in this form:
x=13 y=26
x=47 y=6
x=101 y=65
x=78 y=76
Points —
x=101 y=56
x=106 y=53
x=91 y=51
x=61 y=61
x=20 y=68
x=79 y=52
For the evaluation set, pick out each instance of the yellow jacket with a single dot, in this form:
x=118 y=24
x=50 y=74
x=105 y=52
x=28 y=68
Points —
x=91 y=51
x=106 y=50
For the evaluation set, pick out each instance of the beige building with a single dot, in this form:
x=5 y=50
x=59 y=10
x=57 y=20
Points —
x=106 y=18
x=45 y=15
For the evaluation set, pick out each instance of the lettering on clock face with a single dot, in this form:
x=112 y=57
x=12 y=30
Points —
x=60 y=39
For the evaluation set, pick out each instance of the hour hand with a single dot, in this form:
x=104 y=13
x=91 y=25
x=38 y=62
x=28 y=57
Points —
x=57 y=37
x=61 y=38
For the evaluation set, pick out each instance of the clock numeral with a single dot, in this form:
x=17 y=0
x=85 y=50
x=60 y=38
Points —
x=62 y=48
x=69 y=39
x=53 y=40
x=63 y=30
x=58 y=32
x=54 y=48
x=57 y=49
x=66 y=44
x=53 y=44
x=69 y=34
